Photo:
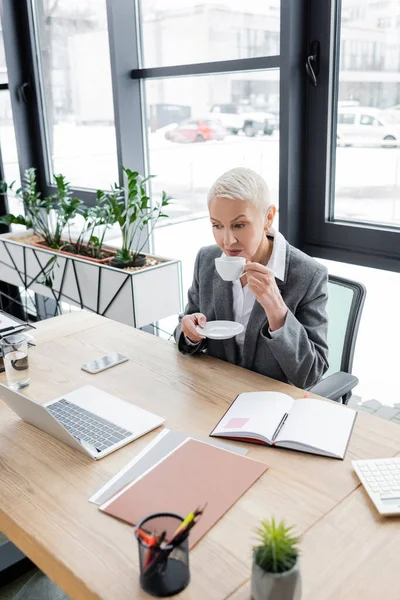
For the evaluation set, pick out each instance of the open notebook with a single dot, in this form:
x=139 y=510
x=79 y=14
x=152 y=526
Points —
x=272 y=418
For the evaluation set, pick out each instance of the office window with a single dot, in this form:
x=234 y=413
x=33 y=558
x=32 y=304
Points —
x=75 y=78
x=368 y=154
x=218 y=122
x=208 y=31
x=3 y=66
x=212 y=103
x=8 y=146
x=353 y=166
x=214 y=115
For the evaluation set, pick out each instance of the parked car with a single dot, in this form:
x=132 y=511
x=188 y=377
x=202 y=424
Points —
x=251 y=120
x=161 y=115
x=196 y=130
x=366 y=126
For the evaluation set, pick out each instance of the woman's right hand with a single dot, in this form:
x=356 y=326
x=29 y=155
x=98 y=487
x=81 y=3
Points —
x=189 y=324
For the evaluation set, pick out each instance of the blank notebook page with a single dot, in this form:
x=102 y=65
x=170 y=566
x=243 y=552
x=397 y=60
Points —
x=256 y=412
x=195 y=473
x=318 y=424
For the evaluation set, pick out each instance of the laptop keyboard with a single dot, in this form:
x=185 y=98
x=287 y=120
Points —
x=86 y=426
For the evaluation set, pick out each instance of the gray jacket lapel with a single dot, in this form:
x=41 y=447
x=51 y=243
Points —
x=223 y=307
x=257 y=319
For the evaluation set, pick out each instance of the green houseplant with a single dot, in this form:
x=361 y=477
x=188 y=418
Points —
x=133 y=212
x=65 y=258
x=88 y=244
x=51 y=218
x=46 y=216
x=275 y=573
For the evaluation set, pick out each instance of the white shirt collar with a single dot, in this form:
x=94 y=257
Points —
x=277 y=261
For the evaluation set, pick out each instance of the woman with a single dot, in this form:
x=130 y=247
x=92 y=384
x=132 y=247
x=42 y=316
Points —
x=280 y=299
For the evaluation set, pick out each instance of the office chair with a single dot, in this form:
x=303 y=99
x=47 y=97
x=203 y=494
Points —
x=345 y=304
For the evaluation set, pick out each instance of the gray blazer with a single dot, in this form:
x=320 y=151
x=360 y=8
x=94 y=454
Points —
x=298 y=354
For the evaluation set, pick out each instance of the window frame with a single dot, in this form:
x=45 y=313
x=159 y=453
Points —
x=359 y=243
x=128 y=80
x=18 y=21
x=290 y=62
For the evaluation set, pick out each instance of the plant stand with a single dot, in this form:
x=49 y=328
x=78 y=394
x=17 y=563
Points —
x=135 y=298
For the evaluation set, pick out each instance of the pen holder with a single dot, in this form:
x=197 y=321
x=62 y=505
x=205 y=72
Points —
x=164 y=571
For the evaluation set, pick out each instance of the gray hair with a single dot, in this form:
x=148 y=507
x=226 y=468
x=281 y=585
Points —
x=243 y=184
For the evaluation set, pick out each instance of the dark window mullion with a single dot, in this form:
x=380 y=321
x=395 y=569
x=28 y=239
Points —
x=21 y=81
x=292 y=118
x=128 y=95
x=209 y=68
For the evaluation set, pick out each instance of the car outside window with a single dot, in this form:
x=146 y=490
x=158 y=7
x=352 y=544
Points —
x=368 y=120
x=346 y=118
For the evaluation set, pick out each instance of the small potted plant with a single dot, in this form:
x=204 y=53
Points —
x=275 y=573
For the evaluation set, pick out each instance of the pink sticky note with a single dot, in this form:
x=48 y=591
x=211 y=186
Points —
x=236 y=423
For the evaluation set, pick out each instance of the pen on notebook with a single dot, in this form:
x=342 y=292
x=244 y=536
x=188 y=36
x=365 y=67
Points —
x=281 y=424
x=16 y=327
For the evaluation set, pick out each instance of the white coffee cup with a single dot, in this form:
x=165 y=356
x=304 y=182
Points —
x=230 y=267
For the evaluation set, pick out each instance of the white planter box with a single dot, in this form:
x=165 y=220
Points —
x=136 y=298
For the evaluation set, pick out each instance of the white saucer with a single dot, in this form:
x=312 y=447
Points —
x=220 y=330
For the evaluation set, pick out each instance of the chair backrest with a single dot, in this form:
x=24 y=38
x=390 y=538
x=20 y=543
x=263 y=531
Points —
x=345 y=304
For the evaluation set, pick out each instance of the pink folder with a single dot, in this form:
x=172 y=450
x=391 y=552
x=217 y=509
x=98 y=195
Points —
x=194 y=474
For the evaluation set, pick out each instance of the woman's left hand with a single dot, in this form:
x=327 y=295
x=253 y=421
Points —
x=261 y=282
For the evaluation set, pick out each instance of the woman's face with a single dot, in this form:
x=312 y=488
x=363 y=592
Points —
x=238 y=226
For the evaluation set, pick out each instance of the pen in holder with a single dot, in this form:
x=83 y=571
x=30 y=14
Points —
x=164 y=567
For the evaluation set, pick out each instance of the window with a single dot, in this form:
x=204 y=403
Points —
x=358 y=217
x=8 y=146
x=367 y=183
x=208 y=30
x=74 y=63
x=225 y=74
x=188 y=155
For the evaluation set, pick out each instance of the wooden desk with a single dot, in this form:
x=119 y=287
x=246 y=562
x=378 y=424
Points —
x=348 y=551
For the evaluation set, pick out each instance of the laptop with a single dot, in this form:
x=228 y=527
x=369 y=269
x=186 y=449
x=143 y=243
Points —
x=89 y=420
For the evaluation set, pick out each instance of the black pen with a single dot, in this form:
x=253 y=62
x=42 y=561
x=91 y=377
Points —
x=281 y=424
x=9 y=328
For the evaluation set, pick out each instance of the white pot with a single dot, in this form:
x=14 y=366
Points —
x=135 y=298
x=275 y=586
